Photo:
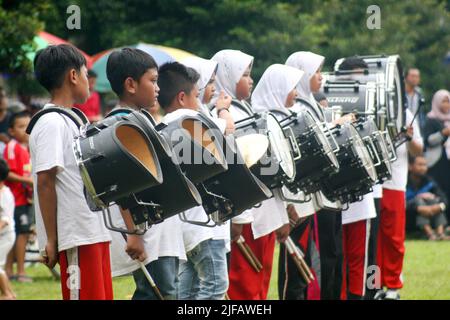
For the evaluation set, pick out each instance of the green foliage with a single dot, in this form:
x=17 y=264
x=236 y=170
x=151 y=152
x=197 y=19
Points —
x=19 y=22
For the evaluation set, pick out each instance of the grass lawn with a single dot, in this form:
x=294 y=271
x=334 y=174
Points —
x=426 y=276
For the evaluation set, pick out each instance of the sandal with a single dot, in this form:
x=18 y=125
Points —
x=432 y=237
x=24 y=279
x=442 y=236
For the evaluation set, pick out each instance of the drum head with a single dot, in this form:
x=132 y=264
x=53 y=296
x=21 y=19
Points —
x=326 y=145
x=252 y=147
x=280 y=146
x=362 y=152
x=395 y=93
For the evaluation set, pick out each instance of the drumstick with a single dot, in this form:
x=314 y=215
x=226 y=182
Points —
x=147 y=274
x=246 y=254
x=301 y=256
x=296 y=260
x=252 y=254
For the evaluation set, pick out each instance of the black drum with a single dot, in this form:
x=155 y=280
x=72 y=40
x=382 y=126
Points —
x=376 y=145
x=356 y=174
x=177 y=193
x=116 y=158
x=393 y=99
x=196 y=146
x=270 y=157
x=317 y=159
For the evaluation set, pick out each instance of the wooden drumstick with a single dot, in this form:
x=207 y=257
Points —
x=301 y=255
x=289 y=246
x=252 y=254
x=246 y=254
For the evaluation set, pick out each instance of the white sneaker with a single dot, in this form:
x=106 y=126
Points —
x=392 y=294
x=379 y=295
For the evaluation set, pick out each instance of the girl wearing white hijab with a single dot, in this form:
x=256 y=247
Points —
x=275 y=91
x=233 y=77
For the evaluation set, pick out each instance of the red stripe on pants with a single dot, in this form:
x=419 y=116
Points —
x=391 y=238
x=354 y=246
x=92 y=275
x=245 y=282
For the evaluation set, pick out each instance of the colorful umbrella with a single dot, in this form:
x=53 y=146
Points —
x=161 y=55
x=44 y=39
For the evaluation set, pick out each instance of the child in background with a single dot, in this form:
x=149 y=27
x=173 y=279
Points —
x=7 y=234
x=19 y=181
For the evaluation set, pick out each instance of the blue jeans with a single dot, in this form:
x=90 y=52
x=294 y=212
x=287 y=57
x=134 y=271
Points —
x=164 y=272
x=204 y=276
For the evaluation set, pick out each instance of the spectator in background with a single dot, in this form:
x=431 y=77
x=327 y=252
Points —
x=92 y=107
x=425 y=201
x=414 y=94
x=437 y=144
x=7 y=234
x=5 y=116
x=20 y=182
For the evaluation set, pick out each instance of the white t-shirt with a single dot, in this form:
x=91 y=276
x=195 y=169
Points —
x=171 y=242
x=194 y=234
x=121 y=263
x=7 y=206
x=400 y=166
x=361 y=210
x=270 y=216
x=51 y=146
x=377 y=191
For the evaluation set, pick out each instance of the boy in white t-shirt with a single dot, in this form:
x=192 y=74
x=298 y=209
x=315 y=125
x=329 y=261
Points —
x=7 y=233
x=204 y=275
x=68 y=231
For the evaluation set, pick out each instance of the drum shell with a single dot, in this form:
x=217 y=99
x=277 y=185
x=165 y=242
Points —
x=113 y=172
x=351 y=181
x=183 y=141
x=176 y=193
x=237 y=184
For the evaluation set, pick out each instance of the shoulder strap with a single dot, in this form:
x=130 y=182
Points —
x=314 y=109
x=76 y=115
x=243 y=106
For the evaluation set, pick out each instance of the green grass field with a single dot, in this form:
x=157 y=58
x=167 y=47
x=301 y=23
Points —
x=426 y=276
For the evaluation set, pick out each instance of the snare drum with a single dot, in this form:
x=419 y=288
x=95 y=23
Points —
x=376 y=145
x=356 y=173
x=317 y=159
x=272 y=160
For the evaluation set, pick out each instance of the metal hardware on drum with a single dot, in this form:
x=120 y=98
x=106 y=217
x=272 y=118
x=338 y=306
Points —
x=356 y=174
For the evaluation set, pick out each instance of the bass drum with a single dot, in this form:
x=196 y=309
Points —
x=177 y=193
x=356 y=174
x=272 y=161
x=394 y=94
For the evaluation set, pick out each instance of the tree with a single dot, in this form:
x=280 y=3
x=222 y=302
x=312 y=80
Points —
x=19 y=23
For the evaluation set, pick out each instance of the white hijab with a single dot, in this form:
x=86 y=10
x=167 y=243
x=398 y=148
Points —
x=205 y=68
x=274 y=87
x=232 y=65
x=308 y=62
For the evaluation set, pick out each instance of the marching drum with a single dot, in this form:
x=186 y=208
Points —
x=177 y=193
x=271 y=159
x=394 y=97
x=356 y=173
x=376 y=145
x=115 y=158
x=317 y=159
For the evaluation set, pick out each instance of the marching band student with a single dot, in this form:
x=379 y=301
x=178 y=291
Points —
x=276 y=91
x=133 y=75
x=204 y=275
x=391 y=233
x=233 y=78
x=66 y=227
x=293 y=286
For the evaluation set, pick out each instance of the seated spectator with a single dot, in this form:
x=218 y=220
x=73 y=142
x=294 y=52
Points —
x=92 y=107
x=425 y=201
